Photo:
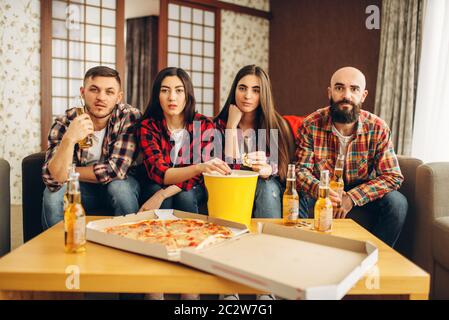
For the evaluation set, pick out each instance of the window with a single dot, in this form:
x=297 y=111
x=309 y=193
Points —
x=192 y=45
x=77 y=35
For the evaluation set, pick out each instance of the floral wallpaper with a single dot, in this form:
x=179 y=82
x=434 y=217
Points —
x=256 y=4
x=244 y=40
x=19 y=86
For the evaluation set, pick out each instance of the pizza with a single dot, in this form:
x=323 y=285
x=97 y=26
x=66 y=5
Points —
x=174 y=234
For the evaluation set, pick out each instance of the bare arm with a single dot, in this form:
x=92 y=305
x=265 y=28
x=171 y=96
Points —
x=78 y=129
x=231 y=143
x=170 y=191
x=178 y=175
x=155 y=201
x=63 y=157
x=87 y=174
x=231 y=136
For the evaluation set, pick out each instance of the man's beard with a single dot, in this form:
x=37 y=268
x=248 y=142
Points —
x=98 y=116
x=344 y=116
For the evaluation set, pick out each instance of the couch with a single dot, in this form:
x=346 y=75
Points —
x=406 y=242
x=32 y=191
x=432 y=224
x=5 y=208
x=33 y=188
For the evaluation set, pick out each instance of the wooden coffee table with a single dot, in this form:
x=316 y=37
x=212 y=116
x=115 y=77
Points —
x=40 y=269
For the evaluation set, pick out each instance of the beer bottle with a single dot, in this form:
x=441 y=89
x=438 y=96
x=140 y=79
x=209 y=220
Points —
x=87 y=142
x=337 y=184
x=290 y=200
x=74 y=217
x=70 y=171
x=323 y=206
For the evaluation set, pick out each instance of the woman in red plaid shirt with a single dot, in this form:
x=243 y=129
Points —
x=250 y=108
x=176 y=143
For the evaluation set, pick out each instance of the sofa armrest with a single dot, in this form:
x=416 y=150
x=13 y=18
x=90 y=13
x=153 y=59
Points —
x=440 y=241
x=408 y=167
x=406 y=242
x=5 y=208
x=432 y=202
x=32 y=191
x=432 y=194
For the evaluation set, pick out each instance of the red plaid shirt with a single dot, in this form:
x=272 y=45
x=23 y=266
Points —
x=155 y=143
x=371 y=163
x=119 y=149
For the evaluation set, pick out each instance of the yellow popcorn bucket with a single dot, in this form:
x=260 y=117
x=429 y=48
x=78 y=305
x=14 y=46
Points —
x=231 y=197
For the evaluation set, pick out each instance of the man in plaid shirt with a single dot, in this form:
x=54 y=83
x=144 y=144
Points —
x=371 y=170
x=103 y=167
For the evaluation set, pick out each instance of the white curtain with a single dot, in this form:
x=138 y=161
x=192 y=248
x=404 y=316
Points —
x=431 y=124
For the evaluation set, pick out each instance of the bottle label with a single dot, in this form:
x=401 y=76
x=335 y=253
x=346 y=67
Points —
x=79 y=231
x=66 y=202
x=291 y=208
x=325 y=219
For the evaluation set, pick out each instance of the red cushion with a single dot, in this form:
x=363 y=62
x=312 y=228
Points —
x=295 y=122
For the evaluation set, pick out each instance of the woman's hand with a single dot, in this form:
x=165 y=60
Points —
x=234 y=117
x=154 y=202
x=258 y=158
x=214 y=166
x=258 y=161
x=263 y=170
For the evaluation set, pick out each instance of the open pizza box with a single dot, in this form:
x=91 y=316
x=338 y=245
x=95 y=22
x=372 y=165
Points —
x=289 y=262
x=95 y=232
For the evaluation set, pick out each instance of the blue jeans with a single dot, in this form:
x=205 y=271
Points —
x=389 y=214
x=268 y=198
x=119 y=196
x=189 y=201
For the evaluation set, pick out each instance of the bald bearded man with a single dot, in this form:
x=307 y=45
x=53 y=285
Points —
x=371 y=170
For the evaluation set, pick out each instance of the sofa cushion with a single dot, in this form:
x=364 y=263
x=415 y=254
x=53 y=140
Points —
x=440 y=241
x=406 y=242
x=32 y=189
x=294 y=121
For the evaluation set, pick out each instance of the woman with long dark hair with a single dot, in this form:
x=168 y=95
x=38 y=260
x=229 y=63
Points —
x=175 y=142
x=249 y=108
